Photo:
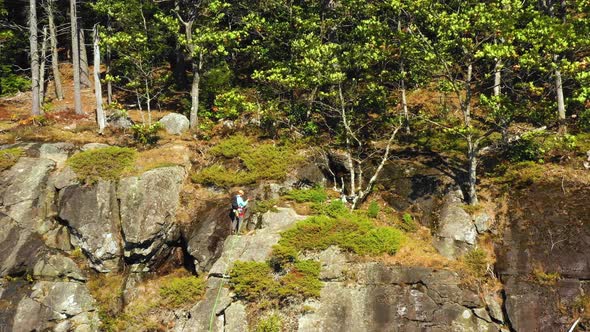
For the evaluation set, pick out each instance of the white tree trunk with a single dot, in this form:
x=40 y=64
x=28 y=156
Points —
x=560 y=102
x=108 y=69
x=100 y=118
x=75 y=57
x=84 y=68
x=59 y=94
x=195 y=87
x=42 y=66
x=472 y=172
x=36 y=106
x=498 y=78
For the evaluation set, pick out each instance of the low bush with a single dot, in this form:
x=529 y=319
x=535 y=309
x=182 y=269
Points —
x=350 y=232
x=302 y=281
x=146 y=134
x=102 y=164
x=314 y=195
x=373 y=210
x=408 y=224
x=179 y=291
x=9 y=157
x=232 y=146
x=264 y=206
x=271 y=323
x=261 y=162
x=476 y=263
x=253 y=281
x=281 y=256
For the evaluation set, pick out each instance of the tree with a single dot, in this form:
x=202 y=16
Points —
x=34 y=54
x=75 y=57
x=100 y=118
x=54 y=56
x=205 y=37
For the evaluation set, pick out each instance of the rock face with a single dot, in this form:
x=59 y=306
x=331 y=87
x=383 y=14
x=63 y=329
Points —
x=21 y=189
x=148 y=206
x=55 y=306
x=456 y=233
x=19 y=248
x=255 y=247
x=175 y=123
x=546 y=234
x=386 y=298
x=92 y=215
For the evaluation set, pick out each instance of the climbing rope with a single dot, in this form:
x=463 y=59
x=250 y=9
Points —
x=231 y=247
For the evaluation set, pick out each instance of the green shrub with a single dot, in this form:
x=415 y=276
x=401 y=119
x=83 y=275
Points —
x=145 y=134
x=334 y=209
x=526 y=172
x=315 y=195
x=262 y=162
x=281 y=256
x=476 y=262
x=264 y=206
x=302 y=281
x=9 y=157
x=373 y=210
x=232 y=146
x=271 y=323
x=408 y=224
x=350 y=232
x=527 y=148
x=253 y=281
x=106 y=163
x=218 y=175
x=180 y=291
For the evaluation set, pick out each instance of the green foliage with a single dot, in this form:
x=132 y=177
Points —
x=146 y=134
x=523 y=173
x=232 y=147
x=102 y=164
x=270 y=323
x=182 y=291
x=350 y=232
x=282 y=256
x=476 y=262
x=527 y=148
x=373 y=210
x=261 y=162
x=315 y=195
x=264 y=206
x=334 y=209
x=231 y=104
x=408 y=224
x=253 y=281
x=11 y=83
x=302 y=281
x=545 y=278
x=9 y=157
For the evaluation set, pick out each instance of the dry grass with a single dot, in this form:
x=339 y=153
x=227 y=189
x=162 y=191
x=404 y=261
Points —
x=168 y=155
x=417 y=250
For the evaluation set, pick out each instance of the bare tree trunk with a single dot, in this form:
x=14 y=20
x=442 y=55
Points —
x=42 y=67
x=195 y=87
x=108 y=69
x=560 y=102
x=404 y=100
x=100 y=118
x=84 y=70
x=472 y=171
x=498 y=77
x=36 y=107
x=148 y=101
x=75 y=57
x=59 y=94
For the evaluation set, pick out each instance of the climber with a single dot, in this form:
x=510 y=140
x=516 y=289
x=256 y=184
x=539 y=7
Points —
x=238 y=210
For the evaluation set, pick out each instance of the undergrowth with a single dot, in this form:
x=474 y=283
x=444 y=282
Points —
x=102 y=164
x=179 y=291
x=9 y=157
x=257 y=162
x=314 y=195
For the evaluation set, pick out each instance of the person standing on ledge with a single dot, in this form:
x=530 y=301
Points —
x=238 y=210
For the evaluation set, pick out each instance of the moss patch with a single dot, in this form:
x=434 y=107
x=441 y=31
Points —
x=9 y=157
x=179 y=291
x=102 y=164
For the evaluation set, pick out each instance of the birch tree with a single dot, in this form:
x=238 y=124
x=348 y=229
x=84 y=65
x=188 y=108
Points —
x=75 y=57
x=34 y=54
x=54 y=55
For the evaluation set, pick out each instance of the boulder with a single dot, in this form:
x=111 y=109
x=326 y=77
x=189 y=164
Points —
x=175 y=123
x=92 y=216
x=119 y=122
x=149 y=204
x=454 y=225
x=482 y=222
x=21 y=189
x=58 y=152
x=93 y=146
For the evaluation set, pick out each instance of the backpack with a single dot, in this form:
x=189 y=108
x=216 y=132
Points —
x=234 y=202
